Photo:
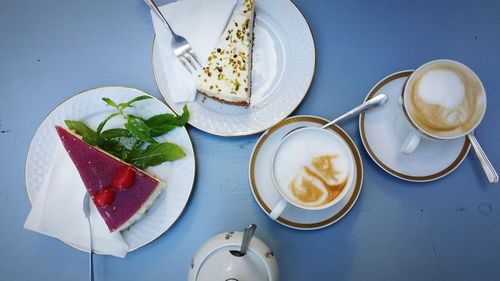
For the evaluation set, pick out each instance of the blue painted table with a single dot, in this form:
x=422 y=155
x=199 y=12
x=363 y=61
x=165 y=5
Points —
x=444 y=230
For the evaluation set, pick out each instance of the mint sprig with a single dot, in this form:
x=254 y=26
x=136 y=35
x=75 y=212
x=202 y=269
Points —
x=134 y=144
x=155 y=154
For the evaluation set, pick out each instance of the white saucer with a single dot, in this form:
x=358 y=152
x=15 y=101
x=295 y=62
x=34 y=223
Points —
x=282 y=71
x=265 y=193
x=88 y=107
x=384 y=129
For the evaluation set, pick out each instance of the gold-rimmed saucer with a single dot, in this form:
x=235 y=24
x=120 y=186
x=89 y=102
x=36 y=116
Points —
x=267 y=196
x=384 y=129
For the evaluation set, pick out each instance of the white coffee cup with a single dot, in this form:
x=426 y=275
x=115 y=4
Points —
x=318 y=142
x=419 y=131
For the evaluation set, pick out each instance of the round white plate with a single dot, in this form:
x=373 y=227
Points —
x=383 y=130
x=283 y=68
x=88 y=107
x=266 y=195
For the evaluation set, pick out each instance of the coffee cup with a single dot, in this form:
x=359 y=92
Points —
x=311 y=169
x=442 y=100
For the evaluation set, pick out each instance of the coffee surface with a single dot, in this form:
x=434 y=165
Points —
x=318 y=186
x=312 y=168
x=444 y=99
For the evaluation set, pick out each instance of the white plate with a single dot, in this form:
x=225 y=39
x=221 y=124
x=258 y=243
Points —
x=283 y=68
x=266 y=195
x=88 y=107
x=383 y=130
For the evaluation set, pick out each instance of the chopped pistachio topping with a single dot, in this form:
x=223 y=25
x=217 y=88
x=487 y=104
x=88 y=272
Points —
x=227 y=72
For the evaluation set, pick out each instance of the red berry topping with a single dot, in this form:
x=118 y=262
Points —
x=104 y=197
x=124 y=178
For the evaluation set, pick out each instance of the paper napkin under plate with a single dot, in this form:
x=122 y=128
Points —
x=58 y=210
x=201 y=22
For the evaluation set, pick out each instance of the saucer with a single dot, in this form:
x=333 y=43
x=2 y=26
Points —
x=265 y=193
x=383 y=130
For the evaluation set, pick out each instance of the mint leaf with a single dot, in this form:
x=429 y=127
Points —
x=115 y=133
x=159 y=129
x=101 y=125
x=155 y=154
x=129 y=143
x=111 y=102
x=124 y=105
x=182 y=120
x=139 y=129
x=87 y=134
x=115 y=148
x=163 y=123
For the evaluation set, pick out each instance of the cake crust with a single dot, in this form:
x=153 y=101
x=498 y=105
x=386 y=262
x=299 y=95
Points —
x=240 y=103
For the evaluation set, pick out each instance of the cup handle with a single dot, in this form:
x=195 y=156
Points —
x=278 y=209
x=411 y=143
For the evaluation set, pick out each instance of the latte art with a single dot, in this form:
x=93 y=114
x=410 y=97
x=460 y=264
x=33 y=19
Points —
x=444 y=99
x=313 y=167
x=320 y=184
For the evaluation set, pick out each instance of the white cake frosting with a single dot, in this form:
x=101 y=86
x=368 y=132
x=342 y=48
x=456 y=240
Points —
x=227 y=75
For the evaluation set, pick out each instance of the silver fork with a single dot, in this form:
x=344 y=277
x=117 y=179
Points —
x=179 y=44
x=86 y=211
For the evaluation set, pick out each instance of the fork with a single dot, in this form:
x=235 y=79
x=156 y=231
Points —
x=86 y=211
x=179 y=44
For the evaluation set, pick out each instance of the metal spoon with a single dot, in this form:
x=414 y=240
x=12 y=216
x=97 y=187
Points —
x=488 y=168
x=247 y=237
x=369 y=104
x=86 y=211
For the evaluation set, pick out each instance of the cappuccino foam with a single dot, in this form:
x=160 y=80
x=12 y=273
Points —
x=312 y=167
x=445 y=99
x=441 y=87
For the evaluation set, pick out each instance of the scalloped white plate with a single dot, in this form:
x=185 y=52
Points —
x=283 y=68
x=88 y=107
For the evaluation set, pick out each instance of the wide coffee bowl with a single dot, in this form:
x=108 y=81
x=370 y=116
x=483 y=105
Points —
x=350 y=160
x=406 y=105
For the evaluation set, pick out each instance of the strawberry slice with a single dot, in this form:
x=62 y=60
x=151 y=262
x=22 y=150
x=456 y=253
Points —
x=104 y=197
x=124 y=178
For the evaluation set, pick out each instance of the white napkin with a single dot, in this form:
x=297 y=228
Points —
x=58 y=210
x=201 y=22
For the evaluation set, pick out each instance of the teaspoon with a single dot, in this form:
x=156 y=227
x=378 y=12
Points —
x=247 y=237
x=86 y=211
x=369 y=104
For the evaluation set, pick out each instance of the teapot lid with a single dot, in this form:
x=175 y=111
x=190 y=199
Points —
x=215 y=262
x=222 y=265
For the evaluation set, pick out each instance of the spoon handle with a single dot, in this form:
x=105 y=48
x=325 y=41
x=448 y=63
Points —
x=378 y=100
x=91 y=264
x=488 y=168
x=247 y=237
x=91 y=255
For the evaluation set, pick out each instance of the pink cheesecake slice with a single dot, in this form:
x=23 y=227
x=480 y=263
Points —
x=121 y=192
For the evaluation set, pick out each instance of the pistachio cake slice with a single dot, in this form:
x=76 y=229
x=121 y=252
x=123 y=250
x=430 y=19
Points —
x=227 y=75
